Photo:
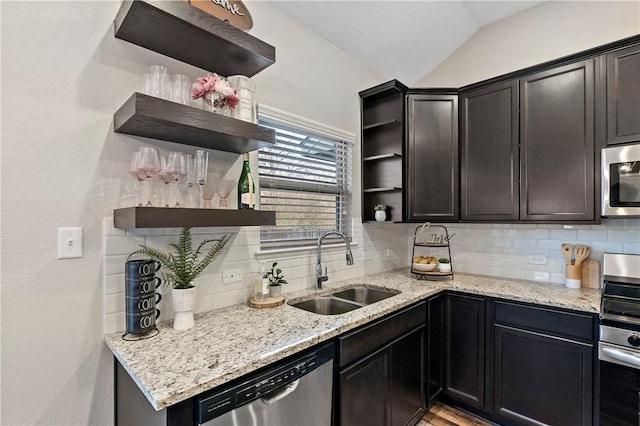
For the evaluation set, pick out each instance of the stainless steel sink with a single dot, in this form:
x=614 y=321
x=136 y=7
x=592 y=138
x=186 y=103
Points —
x=344 y=300
x=326 y=306
x=364 y=295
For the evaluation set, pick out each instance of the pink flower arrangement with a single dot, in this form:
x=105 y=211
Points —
x=212 y=84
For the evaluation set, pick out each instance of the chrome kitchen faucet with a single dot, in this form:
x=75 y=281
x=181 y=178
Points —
x=319 y=277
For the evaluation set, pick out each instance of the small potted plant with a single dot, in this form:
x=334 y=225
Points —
x=444 y=264
x=381 y=214
x=276 y=279
x=184 y=265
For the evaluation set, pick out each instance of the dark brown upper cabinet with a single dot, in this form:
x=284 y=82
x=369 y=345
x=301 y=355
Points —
x=557 y=165
x=432 y=157
x=489 y=156
x=382 y=139
x=623 y=95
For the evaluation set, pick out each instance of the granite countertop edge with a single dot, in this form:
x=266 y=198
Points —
x=176 y=365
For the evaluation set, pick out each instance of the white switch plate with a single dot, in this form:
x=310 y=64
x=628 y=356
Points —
x=231 y=276
x=69 y=243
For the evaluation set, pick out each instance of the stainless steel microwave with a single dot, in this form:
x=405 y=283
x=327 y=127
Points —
x=621 y=180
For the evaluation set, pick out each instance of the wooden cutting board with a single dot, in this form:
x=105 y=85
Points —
x=591 y=273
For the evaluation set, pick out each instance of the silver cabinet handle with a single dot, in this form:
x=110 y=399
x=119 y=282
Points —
x=622 y=356
x=282 y=393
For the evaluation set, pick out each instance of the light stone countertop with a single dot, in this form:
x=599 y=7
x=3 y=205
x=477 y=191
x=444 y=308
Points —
x=227 y=343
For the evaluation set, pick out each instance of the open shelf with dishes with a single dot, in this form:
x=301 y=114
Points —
x=181 y=31
x=435 y=243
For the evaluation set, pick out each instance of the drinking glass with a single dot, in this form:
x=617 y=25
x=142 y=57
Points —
x=223 y=189
x=166 y=178
x=191 y=178
x=180 y=89
x=133 y=171
x=201 y=166
x=177 y=168
x=149 y=165
x=209 y=190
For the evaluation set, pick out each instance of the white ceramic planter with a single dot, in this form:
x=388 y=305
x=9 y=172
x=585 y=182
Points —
x=381 y=215
x=444 y=267
x=275 y=290
x=184 y=301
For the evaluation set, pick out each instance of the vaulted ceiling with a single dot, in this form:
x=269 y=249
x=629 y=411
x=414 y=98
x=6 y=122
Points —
x=398 y=39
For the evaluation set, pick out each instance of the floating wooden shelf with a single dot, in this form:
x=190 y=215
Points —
x=164 y=217
x=383 y=189
x=183 y=32
x=156 y=118
x=380 y=124
x=381 y=157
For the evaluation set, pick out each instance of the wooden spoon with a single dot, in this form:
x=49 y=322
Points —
x=582 y=252
x=567 y=251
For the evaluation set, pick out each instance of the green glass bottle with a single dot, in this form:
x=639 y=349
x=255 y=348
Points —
x=246 y=187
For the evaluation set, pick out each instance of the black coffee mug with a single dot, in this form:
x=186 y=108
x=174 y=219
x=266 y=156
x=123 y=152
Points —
x=142 y=322
x=141 y=287
x=140 y=269
x=142 y=304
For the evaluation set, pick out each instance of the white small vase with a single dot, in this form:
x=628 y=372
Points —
x=444 y=267
x=381 y=215
x=275 y=290
x=184 y=301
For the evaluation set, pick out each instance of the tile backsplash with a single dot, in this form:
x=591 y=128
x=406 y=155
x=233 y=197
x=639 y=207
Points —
x=500 y=250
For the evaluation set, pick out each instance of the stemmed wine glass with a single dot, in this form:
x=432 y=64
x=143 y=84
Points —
x=136 y=173
x=201 y=166
x=177 y=168
x=149 y=165
x=223 y=189
x=191 y=177
x=166 y=178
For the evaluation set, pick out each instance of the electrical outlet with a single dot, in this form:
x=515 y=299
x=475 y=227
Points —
x=538 y=259
x=231 y=276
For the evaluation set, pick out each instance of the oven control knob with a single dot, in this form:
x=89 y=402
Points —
x=634 y=340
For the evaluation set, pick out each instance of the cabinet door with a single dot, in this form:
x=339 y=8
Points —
x=406 y=396
x=489 y=164
x=432 y=163
x=557 y=144
x=623 y=95
x=363 y=391
x=465 y=349
x=435 y=349
x=541 y=379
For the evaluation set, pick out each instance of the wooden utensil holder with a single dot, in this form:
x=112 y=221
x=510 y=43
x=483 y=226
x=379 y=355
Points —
x=573 y=276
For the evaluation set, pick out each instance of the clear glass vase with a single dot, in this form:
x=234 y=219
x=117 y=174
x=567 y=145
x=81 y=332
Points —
x=214 y=102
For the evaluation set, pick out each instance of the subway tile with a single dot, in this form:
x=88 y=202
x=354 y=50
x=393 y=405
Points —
x=590 y=236
x=502 y=242
x=524 y=244
x=607 y=247
x=513 y=233
x=114 y=264
x=564 y=235
x=549 y=245
x=121 y=245
x=557 y=278
x=114 y=303
x=632 y=224
x=108 y=230
x=114 y=283
x=514 y=273
x=113 y=323
x=625 y=236
x=145 y=232
x=631 y=248
x=536 y=234
x=537 y=276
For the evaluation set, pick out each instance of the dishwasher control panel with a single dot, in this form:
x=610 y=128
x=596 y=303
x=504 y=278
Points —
x=258 y=385
x=276 y=381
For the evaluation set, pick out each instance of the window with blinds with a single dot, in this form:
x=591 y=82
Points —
x=306 y=179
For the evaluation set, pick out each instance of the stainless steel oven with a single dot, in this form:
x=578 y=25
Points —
x=621 y=180
x=619 y=346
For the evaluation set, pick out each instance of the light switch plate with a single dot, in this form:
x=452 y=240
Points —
x=69 y=243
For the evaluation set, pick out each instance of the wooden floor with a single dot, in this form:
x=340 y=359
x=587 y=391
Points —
x=443 y=415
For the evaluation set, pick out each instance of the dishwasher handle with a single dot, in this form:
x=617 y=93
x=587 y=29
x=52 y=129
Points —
x=618 y=355
x=281 y=393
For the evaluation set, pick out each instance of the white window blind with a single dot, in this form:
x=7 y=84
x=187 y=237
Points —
x=306 y=179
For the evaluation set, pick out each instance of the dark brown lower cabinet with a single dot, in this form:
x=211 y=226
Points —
x=363 y=391
x=385 y=387
x=541 y=379
x=465 y=349
x=435 y=349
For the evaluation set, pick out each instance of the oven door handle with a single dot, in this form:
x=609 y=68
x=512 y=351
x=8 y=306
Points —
x=622 y=356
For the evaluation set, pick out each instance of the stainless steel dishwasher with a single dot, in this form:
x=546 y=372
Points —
x=298 y=392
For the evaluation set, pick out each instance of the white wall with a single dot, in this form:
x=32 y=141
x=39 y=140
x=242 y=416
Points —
x=548 y=31
x=63 y=76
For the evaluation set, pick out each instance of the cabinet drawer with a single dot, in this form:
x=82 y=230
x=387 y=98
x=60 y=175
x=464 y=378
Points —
x=546 y=320
x=360 y=342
